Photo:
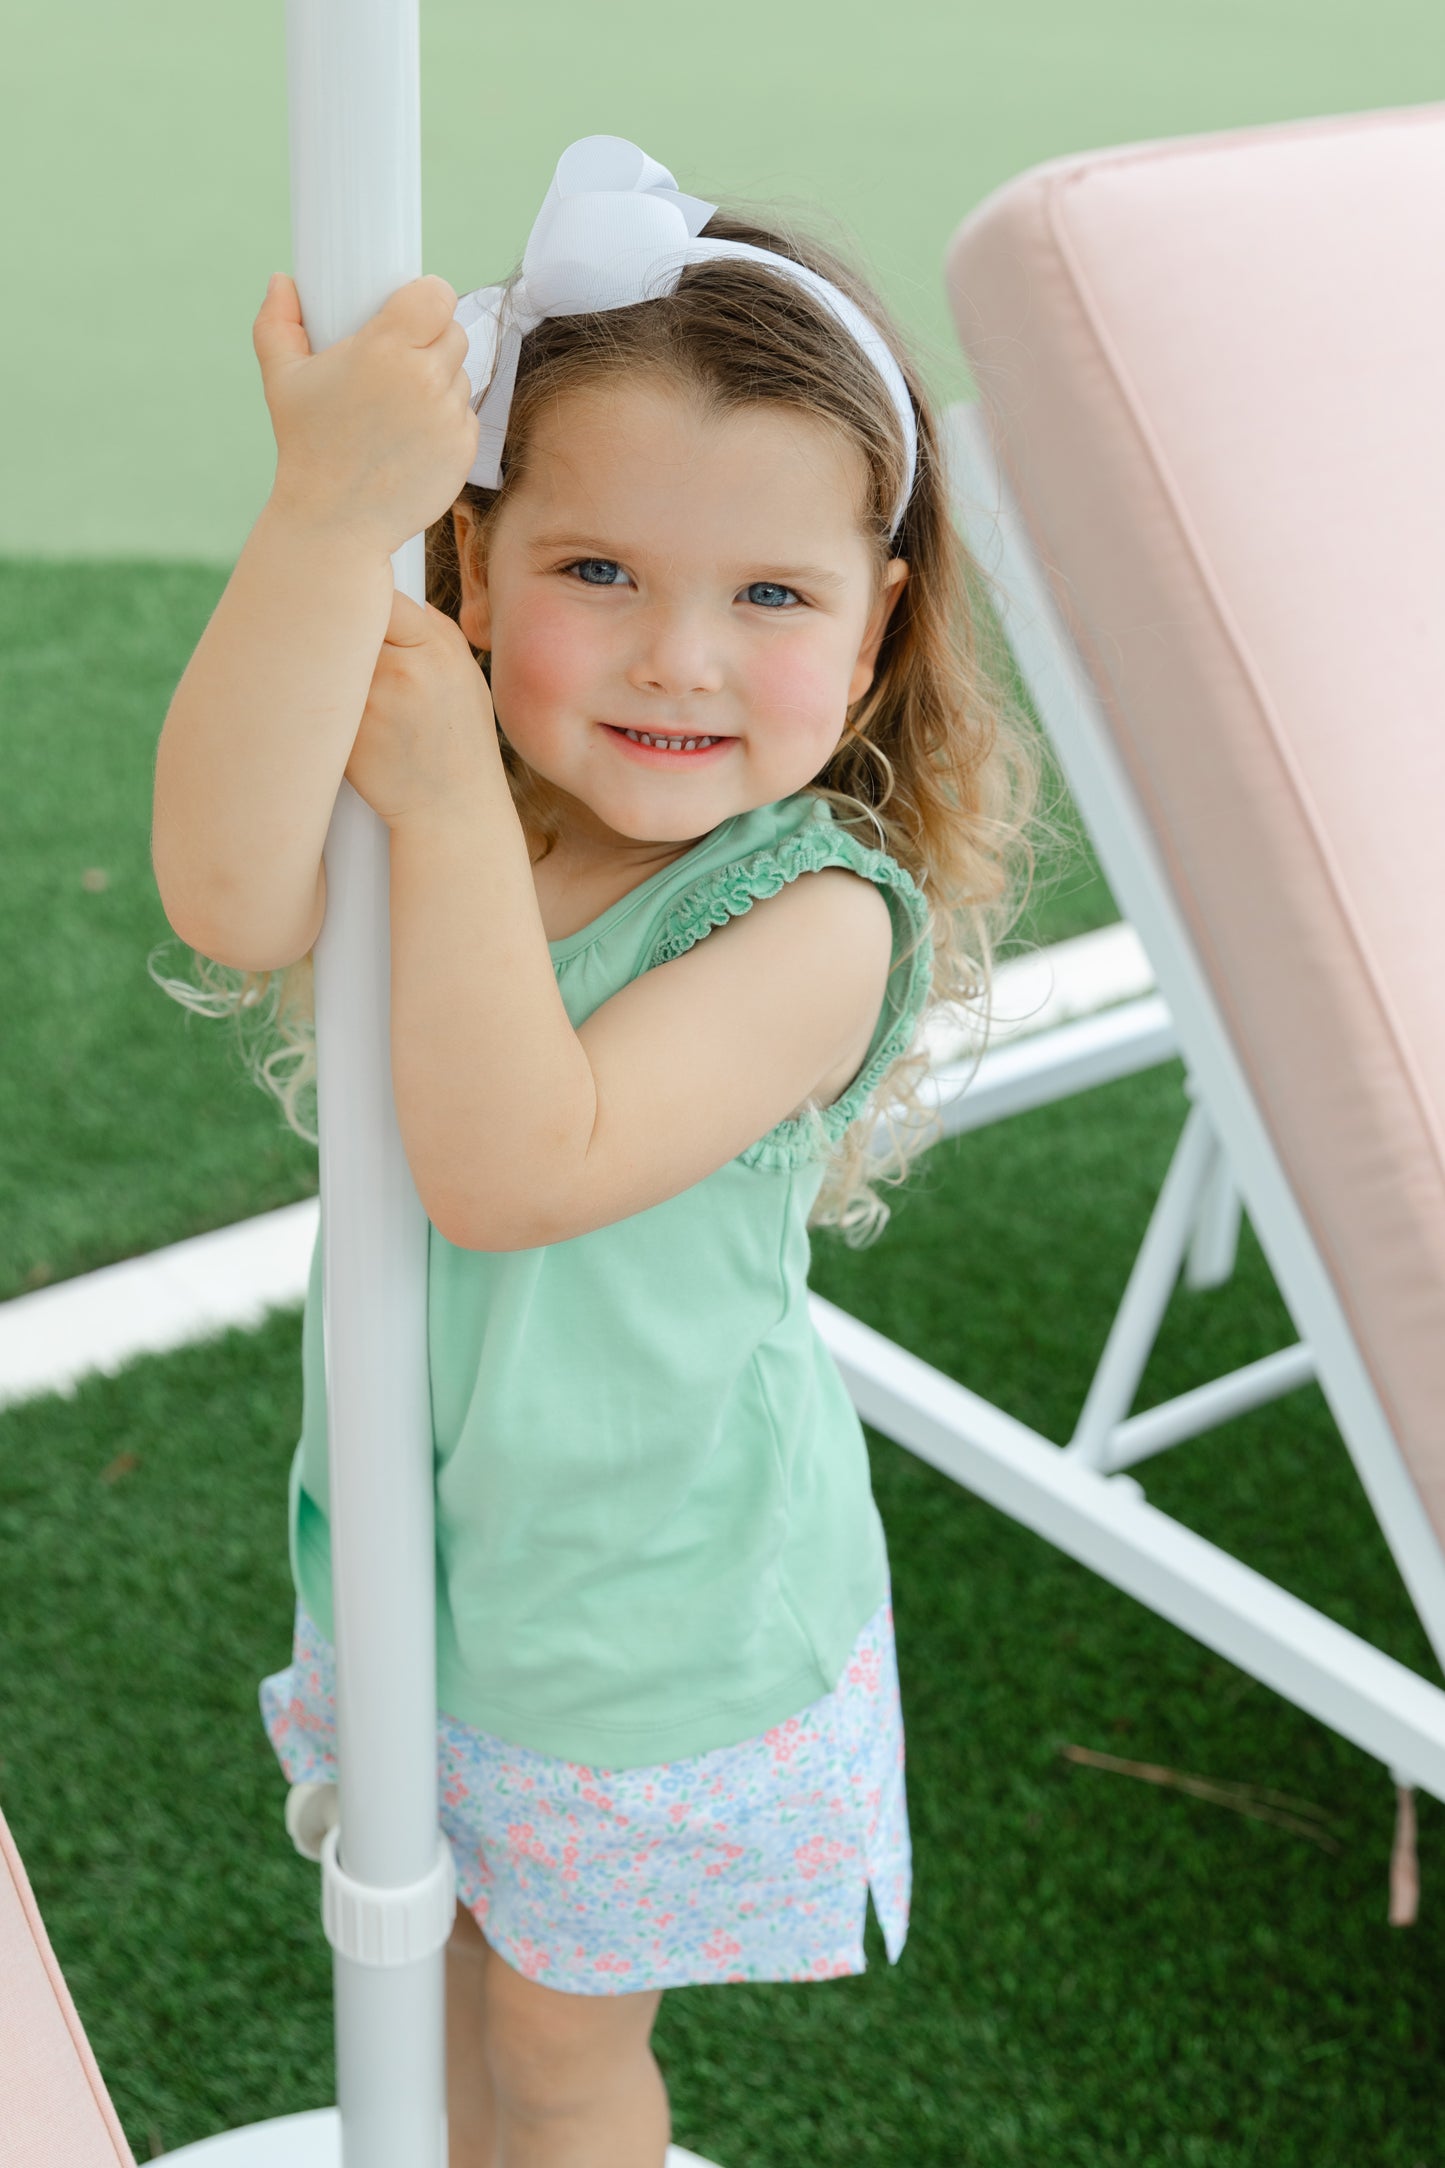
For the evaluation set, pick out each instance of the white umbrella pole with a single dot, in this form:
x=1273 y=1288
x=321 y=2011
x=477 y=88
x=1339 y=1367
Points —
x=353 y=70
x=388 y=1891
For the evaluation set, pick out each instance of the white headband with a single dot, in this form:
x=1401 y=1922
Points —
x=613 y=229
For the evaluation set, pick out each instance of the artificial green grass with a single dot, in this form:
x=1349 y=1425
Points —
x=125 y=1122
x=1099 y=1970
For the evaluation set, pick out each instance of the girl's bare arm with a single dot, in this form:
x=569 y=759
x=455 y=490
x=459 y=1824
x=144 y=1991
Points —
x=258 y=734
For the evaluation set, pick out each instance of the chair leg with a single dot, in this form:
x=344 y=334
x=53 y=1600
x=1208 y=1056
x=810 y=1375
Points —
x=1151 y=1283
x=1215 y=1246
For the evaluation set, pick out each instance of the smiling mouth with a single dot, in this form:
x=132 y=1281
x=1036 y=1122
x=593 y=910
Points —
x=674 y=743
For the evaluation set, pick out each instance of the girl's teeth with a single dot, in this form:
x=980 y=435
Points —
x=673 y=745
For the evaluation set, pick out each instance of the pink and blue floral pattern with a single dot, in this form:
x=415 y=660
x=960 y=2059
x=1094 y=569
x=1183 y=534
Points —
x=750 y=1862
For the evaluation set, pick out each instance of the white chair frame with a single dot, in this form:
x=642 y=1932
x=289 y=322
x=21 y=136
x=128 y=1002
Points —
x=1079 y=1495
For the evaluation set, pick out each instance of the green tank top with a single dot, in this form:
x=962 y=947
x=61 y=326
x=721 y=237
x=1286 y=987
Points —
x=654 y=1525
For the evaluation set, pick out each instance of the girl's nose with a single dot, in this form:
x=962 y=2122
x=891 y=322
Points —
x=678 y=653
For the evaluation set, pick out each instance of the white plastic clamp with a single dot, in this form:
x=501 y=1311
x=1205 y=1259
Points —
x=311 y=1809
x=387 y=1926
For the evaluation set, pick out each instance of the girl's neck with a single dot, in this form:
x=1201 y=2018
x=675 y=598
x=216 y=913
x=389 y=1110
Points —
x=587 y=865
x=586 y=850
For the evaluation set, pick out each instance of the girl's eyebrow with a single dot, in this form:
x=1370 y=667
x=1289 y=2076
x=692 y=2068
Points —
x=589 y=545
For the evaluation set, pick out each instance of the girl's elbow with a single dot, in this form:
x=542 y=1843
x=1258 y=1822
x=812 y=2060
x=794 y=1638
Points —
x=467 y=1229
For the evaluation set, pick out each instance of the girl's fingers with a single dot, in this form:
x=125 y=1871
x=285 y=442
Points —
x=407 y=625
x=281 y=297
x=382 y=422
x=421 y=310
x=278 y=333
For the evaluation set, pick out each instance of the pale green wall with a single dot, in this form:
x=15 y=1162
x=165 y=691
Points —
x=144 y=168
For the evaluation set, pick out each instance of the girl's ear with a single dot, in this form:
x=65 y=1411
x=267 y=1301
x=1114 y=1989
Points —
x=475 y=614
x=895 y=579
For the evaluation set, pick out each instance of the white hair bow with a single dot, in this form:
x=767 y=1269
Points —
x=614 y=228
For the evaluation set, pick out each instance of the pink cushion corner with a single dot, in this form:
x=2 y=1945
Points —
x=1211 y=370
x=54 y=2109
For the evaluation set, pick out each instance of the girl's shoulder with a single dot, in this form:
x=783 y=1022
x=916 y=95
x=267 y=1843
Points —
x=764 y=849
x=761 y=853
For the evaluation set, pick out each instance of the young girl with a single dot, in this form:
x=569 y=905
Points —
x=697 y=713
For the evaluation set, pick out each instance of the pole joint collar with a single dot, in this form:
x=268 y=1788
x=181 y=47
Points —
x=387 y=1926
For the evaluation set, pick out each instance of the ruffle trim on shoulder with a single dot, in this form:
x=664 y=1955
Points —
x=733 y=889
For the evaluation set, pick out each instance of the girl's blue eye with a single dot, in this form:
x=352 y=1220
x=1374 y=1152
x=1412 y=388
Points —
x=600 y=571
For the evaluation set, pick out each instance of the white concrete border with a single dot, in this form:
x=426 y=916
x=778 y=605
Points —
x=193 y=1290
x=188 y=1292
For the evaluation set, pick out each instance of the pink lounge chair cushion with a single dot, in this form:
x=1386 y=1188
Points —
x=1211 y=370
x=54 y=2109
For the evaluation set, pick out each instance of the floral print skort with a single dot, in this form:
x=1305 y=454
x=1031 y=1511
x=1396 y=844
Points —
x=749 y=1862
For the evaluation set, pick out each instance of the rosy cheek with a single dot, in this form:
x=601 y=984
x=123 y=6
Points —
x=795 y=687
x=542 y=659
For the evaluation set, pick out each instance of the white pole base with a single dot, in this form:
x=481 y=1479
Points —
x=313 y=2140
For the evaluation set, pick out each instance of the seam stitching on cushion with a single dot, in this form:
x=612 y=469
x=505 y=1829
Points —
x=1219 y=142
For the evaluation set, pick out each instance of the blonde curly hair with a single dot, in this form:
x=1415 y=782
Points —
x=939 y=764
